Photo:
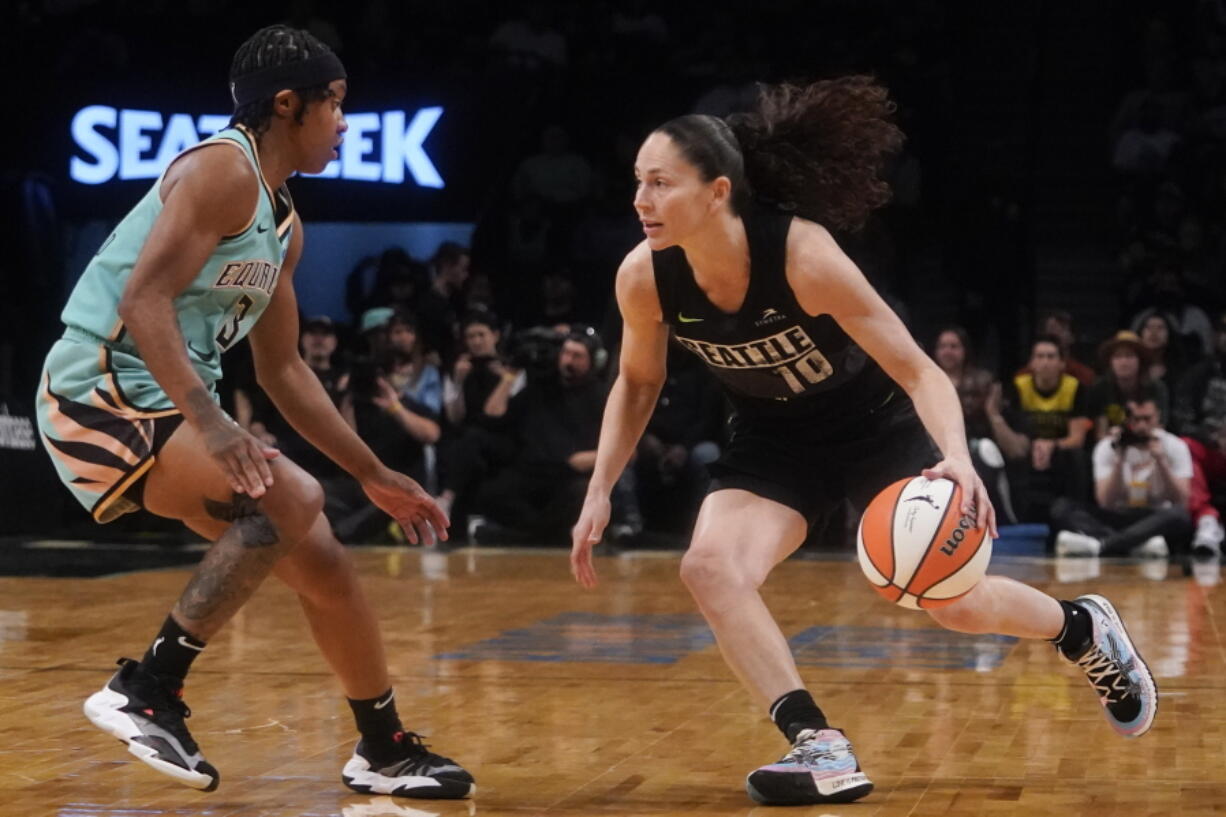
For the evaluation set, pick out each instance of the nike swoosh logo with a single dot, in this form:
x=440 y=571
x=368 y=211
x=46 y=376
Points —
x=203 y=357
x=261 y=228
x=684 y=319
x=157 y=643
x=183 y=643
x=383 y=703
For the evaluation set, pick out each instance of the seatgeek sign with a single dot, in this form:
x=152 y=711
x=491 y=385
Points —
x=124 y=144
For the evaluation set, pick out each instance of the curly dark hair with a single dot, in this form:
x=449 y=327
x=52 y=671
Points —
x=815 y=149
x=270 y=46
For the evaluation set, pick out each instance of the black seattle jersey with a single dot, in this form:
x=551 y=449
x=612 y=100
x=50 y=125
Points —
x=772 y=358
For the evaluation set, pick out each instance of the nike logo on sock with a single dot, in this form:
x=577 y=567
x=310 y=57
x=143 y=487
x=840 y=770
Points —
x=385 y=702
x=157 y=642
x=183 y=643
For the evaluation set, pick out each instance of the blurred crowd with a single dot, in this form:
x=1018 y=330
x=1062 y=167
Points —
x=499 y=421
x=1115 y=447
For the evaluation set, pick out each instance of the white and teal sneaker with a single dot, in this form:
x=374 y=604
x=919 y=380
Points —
x=820 y=768
x=1116 y=670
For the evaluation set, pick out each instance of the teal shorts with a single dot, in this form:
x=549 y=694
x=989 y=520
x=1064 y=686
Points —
x=103 y=418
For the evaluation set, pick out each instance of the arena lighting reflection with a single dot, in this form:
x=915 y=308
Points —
x=124 y=144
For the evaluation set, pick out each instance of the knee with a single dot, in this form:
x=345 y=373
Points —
x=711 y=575
x=296 y=501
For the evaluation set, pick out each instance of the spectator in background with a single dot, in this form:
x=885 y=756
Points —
x=556 y=421
x=480 y=443
x=318 y=344
x=557 y=304
x=441 y=303
x=1142 y=476
x=1058 y=324
x=1041 y=425
x=397 y=422
x=1166 y=360
x=1164 y=293
x=410 y=370
x=1125 y=362
x=476 y=372
x=1200 y=416
x=668 y=478
x=952 y=352
x=393 y=279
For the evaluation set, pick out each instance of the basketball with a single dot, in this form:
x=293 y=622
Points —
x=917 y=548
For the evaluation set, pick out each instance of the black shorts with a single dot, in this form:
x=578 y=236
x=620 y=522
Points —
x=812 y=467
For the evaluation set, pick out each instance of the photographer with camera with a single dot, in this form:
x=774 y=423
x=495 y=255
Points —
x=1142 y=477
x=393 y=402
x=477 y=443
x=556 y=421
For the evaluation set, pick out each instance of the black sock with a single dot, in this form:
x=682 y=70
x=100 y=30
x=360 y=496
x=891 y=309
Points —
x=171 y=654
x=795 y=711
x=378 y=722
x=1077 y=631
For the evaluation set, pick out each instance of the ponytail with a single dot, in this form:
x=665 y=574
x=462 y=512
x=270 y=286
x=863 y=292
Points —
x=817 y=149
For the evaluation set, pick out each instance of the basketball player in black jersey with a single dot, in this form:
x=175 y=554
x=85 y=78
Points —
x=833 y=399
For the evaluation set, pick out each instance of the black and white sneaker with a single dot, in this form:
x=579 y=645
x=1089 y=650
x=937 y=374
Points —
x=415 y=772
x=139 y=709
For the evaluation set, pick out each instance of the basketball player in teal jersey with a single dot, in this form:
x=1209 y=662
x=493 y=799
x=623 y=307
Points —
x=128 y=411
x=833 y=400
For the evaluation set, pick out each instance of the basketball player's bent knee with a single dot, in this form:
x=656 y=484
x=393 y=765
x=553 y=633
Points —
x=293 y=504
x=710 y=573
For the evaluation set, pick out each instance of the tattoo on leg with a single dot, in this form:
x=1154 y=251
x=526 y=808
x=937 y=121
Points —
x=232 y=568
x=240 y=505
x=255 y=529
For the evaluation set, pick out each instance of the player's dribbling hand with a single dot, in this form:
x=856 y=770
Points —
x=242 y=458
x=974 y=494
x=408 y=503
x=585 y=535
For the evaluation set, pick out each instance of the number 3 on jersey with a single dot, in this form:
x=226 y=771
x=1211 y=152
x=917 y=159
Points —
x=229 y=332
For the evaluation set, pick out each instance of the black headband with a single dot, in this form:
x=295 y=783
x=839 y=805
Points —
x=268 y=82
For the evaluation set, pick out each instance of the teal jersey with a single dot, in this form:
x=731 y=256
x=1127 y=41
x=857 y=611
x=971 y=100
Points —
x=215 y=311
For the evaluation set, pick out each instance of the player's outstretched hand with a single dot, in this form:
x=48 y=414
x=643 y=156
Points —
x=586 y=535
x=974 y=494
x=408 y=503
x=242 y=458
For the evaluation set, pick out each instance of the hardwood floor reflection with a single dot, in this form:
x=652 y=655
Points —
x=615 y=702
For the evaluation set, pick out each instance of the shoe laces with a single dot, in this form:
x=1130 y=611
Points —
x=412 y=744
x=161 y=703
x=813 y=749
x=1107 y=675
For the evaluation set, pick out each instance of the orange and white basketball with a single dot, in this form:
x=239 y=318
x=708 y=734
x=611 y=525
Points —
x=916 y=546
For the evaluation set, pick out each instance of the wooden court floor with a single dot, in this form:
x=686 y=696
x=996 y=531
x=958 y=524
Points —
x=614 y=702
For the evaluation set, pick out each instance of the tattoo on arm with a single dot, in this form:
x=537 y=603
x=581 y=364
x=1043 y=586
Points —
x=199 y=404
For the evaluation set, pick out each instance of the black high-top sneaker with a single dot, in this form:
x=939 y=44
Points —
x=147 y=715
